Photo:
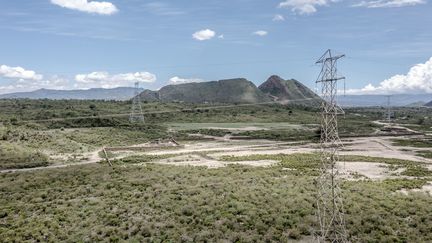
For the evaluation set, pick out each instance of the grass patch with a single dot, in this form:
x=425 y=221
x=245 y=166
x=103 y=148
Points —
x=17 y=157
x=417 y=143
x=425 y=154
x=145 y=158
x=79 y=140
x=299 y=163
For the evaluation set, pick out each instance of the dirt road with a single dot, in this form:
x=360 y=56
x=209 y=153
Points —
x=213 y=150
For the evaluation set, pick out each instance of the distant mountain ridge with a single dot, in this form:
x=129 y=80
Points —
x=381 y=100
x=121 y=93
x=238 y=90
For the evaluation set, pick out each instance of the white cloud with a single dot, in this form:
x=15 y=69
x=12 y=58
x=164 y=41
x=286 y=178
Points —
x=417 y=80
x=25 y=80
x=27 y=85
x=103 y=8
x=278 y=18
x=178 y=80
x=303 y=6
x=221 y=37
x=202 y=35
x=260 y=33
x=19 y=73
x=106 y=80
x=389 y=3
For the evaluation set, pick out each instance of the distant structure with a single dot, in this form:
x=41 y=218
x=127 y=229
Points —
x=389 y=111
x=136 y=115
x=330 y=211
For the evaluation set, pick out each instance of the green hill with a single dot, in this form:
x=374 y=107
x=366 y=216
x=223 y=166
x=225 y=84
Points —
x=238 y=90
x=288 y=90
x=224 y=91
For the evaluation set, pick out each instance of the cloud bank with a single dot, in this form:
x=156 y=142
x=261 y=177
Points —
x=389 y=3
x=178 y=80
x=106 y=80
x=102 y=8
x=18 y=79
x=303 y=6
x=25 y=80
x=417 y=80
x=19 y=73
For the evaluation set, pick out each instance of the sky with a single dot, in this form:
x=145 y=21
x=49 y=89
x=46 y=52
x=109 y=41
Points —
x=81 y=44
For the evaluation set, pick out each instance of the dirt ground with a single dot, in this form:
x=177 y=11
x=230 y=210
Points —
x=208 y=153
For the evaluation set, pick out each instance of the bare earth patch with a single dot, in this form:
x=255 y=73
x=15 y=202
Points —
x=373 y=171
x=201 y=160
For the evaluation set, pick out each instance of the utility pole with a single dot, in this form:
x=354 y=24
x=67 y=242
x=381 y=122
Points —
x=330 y=211
x=388 y=109
x=136 y=115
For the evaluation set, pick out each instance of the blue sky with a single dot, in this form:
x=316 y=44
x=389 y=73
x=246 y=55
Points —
x=69 y=44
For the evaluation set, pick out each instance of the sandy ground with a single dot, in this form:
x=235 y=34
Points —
x=201 y=160
x=373 y=171
x=207 y=153
x=380 y=147
x=368 y=146
x=239 y=129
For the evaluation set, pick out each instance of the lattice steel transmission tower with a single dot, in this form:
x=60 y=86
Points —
x=330 y=211
x=389 y=111
x=136 y=115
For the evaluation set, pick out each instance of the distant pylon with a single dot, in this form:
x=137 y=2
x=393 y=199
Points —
x=389 y=109
x=136 y=115
x=330 y=211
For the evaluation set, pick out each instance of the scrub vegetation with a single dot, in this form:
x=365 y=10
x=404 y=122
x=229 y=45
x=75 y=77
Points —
x=167 y=203
x=138 y=200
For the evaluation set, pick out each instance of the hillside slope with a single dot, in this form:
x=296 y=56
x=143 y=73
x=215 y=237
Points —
x=288 y=90
x=224 y=91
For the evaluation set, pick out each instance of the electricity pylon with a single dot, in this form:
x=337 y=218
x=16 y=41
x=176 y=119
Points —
x=136 y=115
x=330 y=211
x=389 y=109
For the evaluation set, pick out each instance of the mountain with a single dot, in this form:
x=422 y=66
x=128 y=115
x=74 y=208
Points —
x=417 y=104
x=286 y=90
x=381 y=100
x=429 y=104
x=223 y=91
x=122 y=93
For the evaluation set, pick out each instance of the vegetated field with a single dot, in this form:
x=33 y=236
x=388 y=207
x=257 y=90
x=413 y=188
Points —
x=139 y=199
x=68 y=128
x=236 y=203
